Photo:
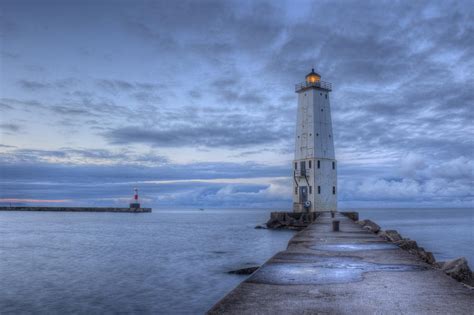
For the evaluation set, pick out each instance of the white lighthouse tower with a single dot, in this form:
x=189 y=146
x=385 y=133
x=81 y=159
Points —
x=314 y=166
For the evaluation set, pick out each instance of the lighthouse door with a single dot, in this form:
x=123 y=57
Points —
x=303 y=194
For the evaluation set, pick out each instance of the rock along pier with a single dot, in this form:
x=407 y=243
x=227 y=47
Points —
x=351 y=271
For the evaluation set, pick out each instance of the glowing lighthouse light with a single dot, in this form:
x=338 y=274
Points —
x=135 y=204
x=313 y=77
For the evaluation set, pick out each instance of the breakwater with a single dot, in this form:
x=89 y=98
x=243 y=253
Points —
x=77 y=209
x=353 y=270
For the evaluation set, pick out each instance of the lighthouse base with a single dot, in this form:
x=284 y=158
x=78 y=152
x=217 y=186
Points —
x=300 y=208
x=291 y=220
x=135 y=205
x=299 y=221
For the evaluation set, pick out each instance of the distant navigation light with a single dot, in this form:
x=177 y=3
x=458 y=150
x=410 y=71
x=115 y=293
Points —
x=135 y=204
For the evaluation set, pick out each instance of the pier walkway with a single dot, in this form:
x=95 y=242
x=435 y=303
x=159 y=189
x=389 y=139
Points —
x=348 y=272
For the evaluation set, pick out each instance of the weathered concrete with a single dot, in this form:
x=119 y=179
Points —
x=353 y=271
x=76 y=209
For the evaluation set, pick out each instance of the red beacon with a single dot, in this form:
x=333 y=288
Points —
x=135 y=204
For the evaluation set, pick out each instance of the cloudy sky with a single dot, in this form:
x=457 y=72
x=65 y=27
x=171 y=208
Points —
x=193 y=101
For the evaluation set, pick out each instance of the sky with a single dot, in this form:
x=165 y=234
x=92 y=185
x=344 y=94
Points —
x=193 y=102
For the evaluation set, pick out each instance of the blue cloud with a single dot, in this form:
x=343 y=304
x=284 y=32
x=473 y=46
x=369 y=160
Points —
x=160 y=97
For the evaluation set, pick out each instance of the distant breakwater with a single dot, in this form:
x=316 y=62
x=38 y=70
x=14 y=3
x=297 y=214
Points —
x=77 y=209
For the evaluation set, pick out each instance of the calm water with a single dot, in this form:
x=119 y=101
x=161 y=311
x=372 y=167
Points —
x=166 y=262
x=448 y=233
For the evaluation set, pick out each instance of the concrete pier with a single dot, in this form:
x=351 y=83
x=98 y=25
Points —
x=352 y=271
x=77 y=209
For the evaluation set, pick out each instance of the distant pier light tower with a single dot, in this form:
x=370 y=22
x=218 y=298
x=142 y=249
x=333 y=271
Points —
x=135 y=204
x=314 y=166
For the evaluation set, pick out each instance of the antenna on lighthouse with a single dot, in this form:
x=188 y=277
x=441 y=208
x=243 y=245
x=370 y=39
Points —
x=135 y=204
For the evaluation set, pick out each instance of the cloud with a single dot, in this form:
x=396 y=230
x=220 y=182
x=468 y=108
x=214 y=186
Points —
x=10 y=128
x=80 y=156
x=409 y=181
x=401 y=103
x=15 y=201
x=9 y=55
x=33 y=85
x=230 y=90
x=117 y=86
x=196 y=94
x=208 y=134
x=99 y=177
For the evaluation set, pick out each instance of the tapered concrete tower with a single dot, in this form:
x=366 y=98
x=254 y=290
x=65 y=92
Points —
x=314 y=167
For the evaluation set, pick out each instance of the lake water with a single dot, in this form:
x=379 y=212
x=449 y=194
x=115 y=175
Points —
x=448 y=233
x=166 y=262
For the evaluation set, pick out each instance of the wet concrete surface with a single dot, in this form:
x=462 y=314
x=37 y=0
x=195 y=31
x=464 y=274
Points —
x=328 y=270
x=348 y=272
x=353 y=247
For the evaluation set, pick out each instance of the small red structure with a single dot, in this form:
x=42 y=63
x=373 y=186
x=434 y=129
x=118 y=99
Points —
x=135 y=204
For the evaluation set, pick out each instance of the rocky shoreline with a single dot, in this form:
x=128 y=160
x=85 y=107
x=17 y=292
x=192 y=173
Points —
x=457 y=268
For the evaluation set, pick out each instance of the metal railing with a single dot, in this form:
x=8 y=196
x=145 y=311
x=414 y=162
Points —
x=300 y=173
x=320 y=84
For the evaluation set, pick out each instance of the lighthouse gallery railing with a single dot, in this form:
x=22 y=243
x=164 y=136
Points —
x=320 y=84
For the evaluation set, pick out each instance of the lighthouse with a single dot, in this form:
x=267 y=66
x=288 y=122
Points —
x=314 y=166
x=135 y=203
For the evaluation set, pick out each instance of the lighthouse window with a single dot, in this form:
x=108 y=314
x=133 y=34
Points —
x=309 y=164
x=326 y=95
x=333 y=165
x=322 y=109
x=333 y=190
x=319 y=189
x=321 y=94
x=310 y=190
x=296 y=190
x=296 y=166
x=319 y=164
